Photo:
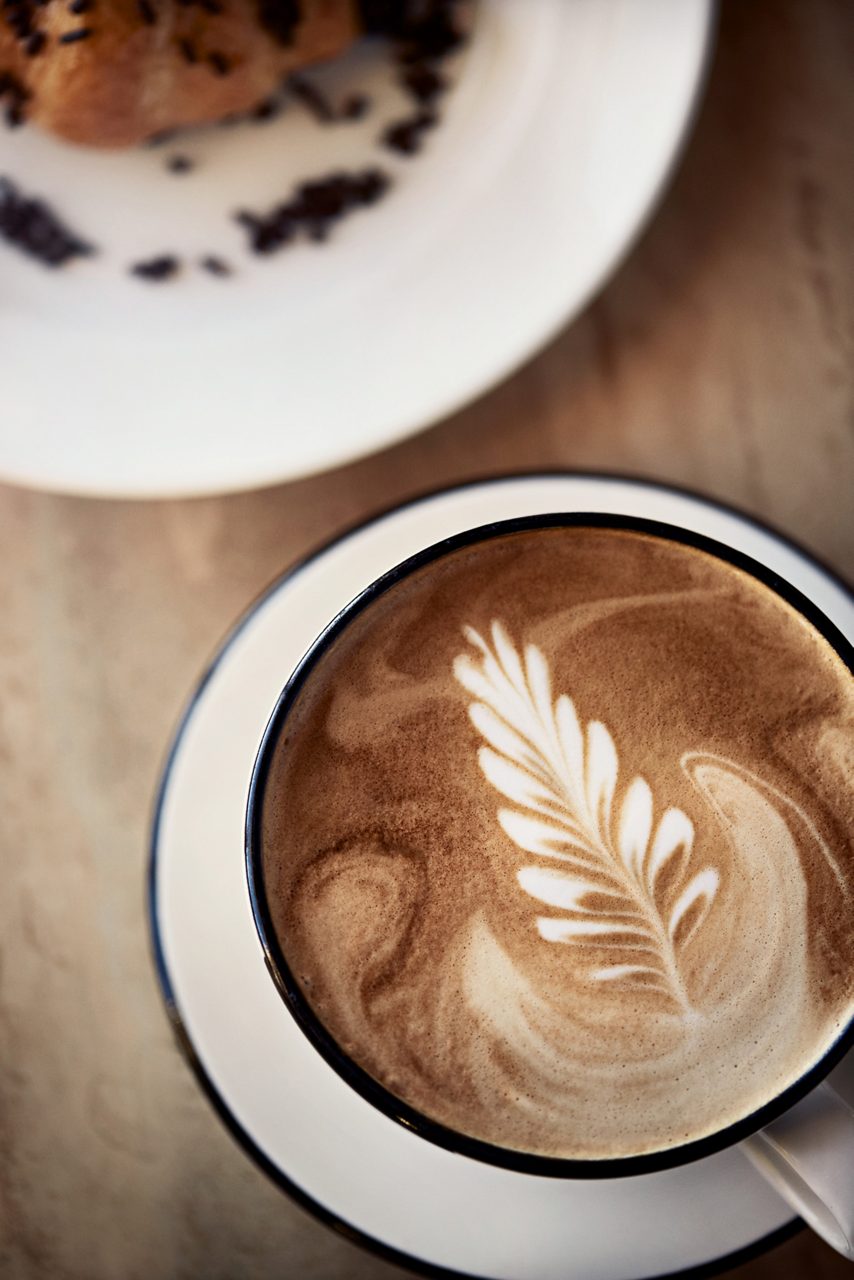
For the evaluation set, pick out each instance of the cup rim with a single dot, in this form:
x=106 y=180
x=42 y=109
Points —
x=387 y=1103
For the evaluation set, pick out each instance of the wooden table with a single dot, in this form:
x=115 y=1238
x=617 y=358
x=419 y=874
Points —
x=721 y=356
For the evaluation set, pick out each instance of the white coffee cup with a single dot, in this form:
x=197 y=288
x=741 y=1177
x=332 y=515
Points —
x=802 y=1140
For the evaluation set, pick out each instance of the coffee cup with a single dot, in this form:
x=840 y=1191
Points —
x=548 y=850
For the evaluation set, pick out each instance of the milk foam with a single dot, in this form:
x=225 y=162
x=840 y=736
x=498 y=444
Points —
x=562 y=782
x=568 y=866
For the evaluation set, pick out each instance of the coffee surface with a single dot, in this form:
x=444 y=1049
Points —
x=558 y=842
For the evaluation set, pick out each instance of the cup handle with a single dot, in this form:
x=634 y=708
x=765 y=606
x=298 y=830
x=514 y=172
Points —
x=808 y=1158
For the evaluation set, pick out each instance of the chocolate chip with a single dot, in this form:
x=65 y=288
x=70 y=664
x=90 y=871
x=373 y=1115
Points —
x=19 y=18
x=180 y=164
x=35 y=44
x=147 y=12
x=220 y=63
x=161 y=138
x=267 y=110
x=423 y=83
x=280 y=18
x=188 y=51
x=355 y=107
x=313 y=209
x=74 y=37
x=32 y=226
x=215 y=266
x=311 y=97
x=424 y=31
x=406 y=136
x=16 y=96
x=430 y=39
x=156 y=270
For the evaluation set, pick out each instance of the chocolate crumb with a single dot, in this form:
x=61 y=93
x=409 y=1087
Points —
x=280 y=17
x=32 y=226
x=423 y=32
x=73 y=37
x=180 y=164
x=147 y=12
x=267 y=234
x=188 y=51
x=423 y=83
x=267 y=110
x=156 y=270
x=16 y=96
x=355 y=107
x=161 y=138
x=406 y=136
x=80 y=6
x=431 y=39
x=313 y=209
x=220 y=63
x=35 y=44
x=19 y=17
x=215 y=266
x=14 y=115
x=311 y=97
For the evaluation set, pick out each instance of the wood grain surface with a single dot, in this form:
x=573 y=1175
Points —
x=721 y=356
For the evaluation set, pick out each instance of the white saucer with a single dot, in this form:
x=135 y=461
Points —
x=416 y=1203
x=562 y=126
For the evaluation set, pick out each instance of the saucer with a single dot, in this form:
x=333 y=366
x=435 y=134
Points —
x=561 y=128
x=415 y=1203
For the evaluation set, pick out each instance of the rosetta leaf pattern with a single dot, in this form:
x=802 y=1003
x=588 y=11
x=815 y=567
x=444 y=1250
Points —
x=601 y=852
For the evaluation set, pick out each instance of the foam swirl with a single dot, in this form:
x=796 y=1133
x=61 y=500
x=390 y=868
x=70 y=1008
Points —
x=609 y=876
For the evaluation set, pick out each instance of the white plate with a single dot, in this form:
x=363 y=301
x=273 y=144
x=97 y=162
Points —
x=555 y=142
x=357 y=1169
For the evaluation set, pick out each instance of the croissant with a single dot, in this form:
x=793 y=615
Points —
x=111 y=73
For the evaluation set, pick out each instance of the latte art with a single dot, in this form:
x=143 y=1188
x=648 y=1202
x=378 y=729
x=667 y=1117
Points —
x=557 y=842
x=562 y=785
